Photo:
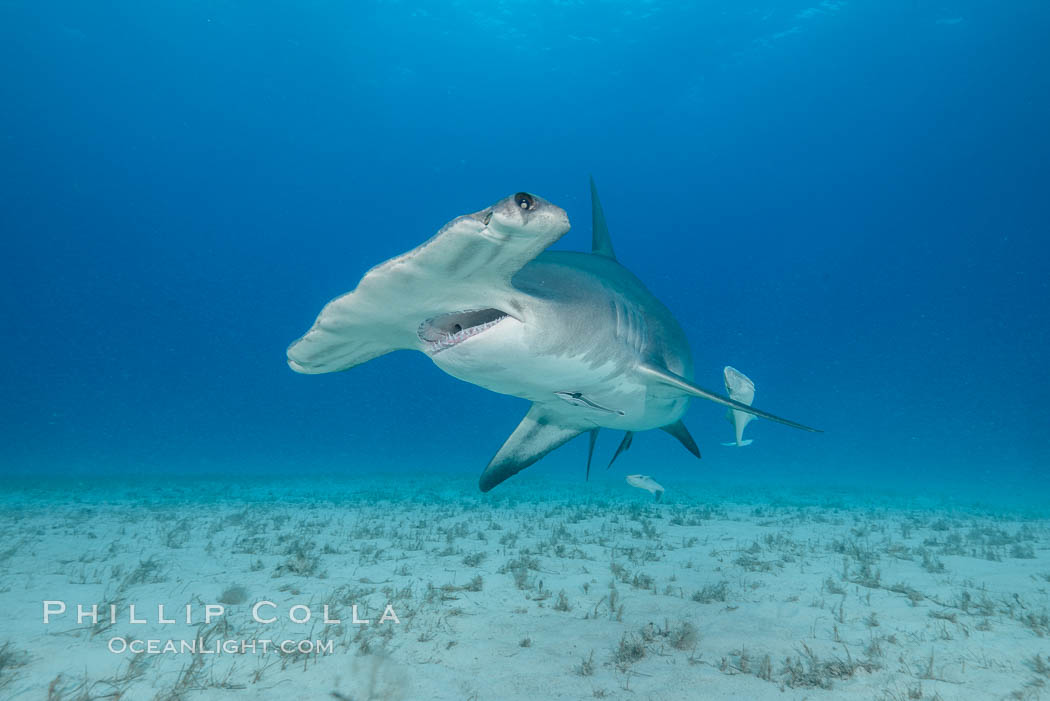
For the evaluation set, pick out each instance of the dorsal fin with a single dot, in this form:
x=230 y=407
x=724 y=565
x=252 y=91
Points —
x=601 y=244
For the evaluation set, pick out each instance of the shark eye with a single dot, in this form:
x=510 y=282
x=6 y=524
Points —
x=524 y=200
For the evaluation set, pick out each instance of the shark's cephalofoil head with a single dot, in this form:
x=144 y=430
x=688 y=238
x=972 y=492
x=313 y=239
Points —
x=522 y=215
x=512 y=223
x=447 y=290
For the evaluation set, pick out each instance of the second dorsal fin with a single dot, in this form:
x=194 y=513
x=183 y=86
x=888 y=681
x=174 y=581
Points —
x=601 y=244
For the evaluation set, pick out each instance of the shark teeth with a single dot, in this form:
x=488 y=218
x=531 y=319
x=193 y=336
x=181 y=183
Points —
x=449 y=337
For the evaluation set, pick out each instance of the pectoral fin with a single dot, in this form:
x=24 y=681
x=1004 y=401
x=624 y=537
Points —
x=538 y=434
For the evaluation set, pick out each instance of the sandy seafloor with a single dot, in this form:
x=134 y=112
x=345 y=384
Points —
x=540 y=591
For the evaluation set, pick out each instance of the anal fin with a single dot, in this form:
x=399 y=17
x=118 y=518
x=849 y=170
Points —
x=538 y=434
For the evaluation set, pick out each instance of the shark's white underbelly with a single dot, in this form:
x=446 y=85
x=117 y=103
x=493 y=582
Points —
x=501 y=361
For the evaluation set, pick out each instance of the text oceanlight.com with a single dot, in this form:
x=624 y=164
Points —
x=121 y=645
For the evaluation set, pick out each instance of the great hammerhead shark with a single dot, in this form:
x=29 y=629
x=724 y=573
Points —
x=575 y=333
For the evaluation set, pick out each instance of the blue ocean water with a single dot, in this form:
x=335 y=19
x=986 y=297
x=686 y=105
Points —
x=845 y=200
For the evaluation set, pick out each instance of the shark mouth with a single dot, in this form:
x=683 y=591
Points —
x=441 y=332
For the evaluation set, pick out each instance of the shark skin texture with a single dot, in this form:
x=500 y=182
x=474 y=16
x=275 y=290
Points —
x=577 y=334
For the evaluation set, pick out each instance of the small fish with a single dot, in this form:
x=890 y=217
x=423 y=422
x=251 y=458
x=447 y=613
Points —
x=647 y=483
x=742 y=389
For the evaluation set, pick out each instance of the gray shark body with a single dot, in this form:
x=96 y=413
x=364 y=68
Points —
x=576 y=334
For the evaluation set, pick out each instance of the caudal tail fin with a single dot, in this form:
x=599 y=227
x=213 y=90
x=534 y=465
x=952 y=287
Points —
x=686 y=387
